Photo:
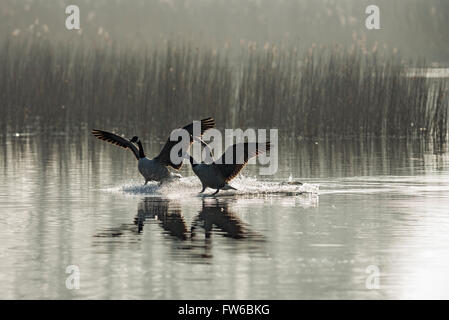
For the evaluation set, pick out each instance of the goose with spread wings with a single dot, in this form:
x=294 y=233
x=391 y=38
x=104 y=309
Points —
x=218 y=174
x=155 y=169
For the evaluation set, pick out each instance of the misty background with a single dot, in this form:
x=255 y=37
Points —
x=415 y=27
x=311 y=68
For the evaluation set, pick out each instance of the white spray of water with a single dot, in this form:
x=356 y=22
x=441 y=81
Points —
x=190 y=187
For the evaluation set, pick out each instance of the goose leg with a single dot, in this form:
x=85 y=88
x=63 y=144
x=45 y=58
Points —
x=215 y=192
x=193 y=228
x=146 y=181
x=204 y=188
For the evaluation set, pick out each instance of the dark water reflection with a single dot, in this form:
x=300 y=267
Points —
x=217 y=215
x=171 y=220
x=194 y=240
x=69 y=201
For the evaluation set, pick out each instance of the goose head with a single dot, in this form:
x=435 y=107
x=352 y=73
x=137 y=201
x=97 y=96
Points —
x=136 y=139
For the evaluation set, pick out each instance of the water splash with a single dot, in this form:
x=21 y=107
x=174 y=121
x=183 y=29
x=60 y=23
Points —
x=190 y=187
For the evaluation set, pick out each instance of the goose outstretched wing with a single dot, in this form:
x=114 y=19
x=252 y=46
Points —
x=164 y=156
x=237 y=156
x=117 y=140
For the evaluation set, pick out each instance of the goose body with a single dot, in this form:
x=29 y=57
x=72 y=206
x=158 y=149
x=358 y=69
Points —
x=156 y=169
x=218 y=174
x=153 y=170
x=210 y=177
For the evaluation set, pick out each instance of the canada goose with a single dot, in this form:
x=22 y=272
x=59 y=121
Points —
x=218 y=174
x=155 y=169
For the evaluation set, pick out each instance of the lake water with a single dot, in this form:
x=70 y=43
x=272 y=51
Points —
x=366 y=207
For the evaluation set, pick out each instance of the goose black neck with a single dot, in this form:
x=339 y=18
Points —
x=141 y=153
x=192 y=161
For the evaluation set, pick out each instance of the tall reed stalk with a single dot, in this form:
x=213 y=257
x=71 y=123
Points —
x=329 y=91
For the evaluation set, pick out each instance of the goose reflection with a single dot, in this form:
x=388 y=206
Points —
x=166 y=212
x=216 y=214
x=215 y=217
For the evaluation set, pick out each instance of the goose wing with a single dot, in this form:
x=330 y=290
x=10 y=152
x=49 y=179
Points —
x=239 y=154
x=164 y=156
x=117 y=140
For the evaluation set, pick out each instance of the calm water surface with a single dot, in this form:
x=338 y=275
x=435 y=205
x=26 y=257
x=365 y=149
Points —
x=81 y=202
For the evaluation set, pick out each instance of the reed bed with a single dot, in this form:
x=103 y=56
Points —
x=326 y=92
x=416 y=27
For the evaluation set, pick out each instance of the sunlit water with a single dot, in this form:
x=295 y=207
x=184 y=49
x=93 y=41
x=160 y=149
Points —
x=363 y=206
